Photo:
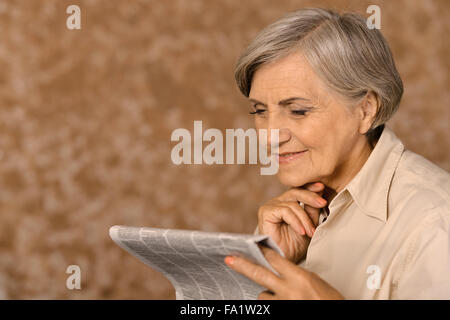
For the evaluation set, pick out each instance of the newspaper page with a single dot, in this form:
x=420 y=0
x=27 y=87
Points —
x=193 y=261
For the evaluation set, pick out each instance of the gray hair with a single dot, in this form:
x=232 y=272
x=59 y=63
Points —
x=346 y=55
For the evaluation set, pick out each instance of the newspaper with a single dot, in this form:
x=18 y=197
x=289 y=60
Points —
x=193 y=261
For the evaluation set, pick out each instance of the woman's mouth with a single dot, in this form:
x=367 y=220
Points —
x=287 y=157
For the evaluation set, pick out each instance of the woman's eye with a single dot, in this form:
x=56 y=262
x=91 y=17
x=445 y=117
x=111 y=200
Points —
x=257 y=111
x=298 y=112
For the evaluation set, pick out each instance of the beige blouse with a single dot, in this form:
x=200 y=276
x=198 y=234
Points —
x=387 y=234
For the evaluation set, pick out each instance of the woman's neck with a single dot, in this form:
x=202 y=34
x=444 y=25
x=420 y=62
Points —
x=347 y=171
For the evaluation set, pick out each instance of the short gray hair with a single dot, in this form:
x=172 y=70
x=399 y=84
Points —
x=349 y=58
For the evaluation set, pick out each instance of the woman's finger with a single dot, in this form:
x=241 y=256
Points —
x=285 y=214
x=305 y=196
x=283 y=266
x=314 y=186
x=254 y=272
x=313 y=213
x=302 y=215
x=266 y=295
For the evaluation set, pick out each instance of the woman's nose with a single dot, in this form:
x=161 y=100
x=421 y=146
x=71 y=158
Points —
x=284 y=135
x=276 y=121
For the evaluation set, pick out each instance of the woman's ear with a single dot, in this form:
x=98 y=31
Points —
x=368 y=111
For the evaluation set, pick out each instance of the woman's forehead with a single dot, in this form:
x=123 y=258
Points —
x=290 y=75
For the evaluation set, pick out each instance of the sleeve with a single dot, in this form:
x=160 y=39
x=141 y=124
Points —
x=426 y=274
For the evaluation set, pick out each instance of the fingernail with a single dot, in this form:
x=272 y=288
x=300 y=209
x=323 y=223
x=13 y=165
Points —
x=302 y=231
x=321 y=201
x=229 y=260
x=316 y=187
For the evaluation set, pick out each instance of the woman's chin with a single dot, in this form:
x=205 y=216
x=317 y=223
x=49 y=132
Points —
x=291 y=181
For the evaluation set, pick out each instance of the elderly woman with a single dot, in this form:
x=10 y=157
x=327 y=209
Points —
x=364 y=218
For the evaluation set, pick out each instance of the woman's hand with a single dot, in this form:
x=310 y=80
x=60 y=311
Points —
x=288 y=224
x=293 y=283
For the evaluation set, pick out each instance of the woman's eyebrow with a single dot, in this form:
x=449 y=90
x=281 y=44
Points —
x=289 y=100
x=254 y=101
x=282 y=102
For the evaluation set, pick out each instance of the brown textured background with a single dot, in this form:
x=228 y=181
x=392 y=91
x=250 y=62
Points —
x=86 y=117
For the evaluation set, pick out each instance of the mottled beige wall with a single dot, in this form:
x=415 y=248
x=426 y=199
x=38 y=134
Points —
x=86 y=118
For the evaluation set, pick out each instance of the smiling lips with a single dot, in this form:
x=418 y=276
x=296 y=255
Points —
x=287 y=157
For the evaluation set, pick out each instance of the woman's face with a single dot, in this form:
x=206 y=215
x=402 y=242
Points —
x=287 y=95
